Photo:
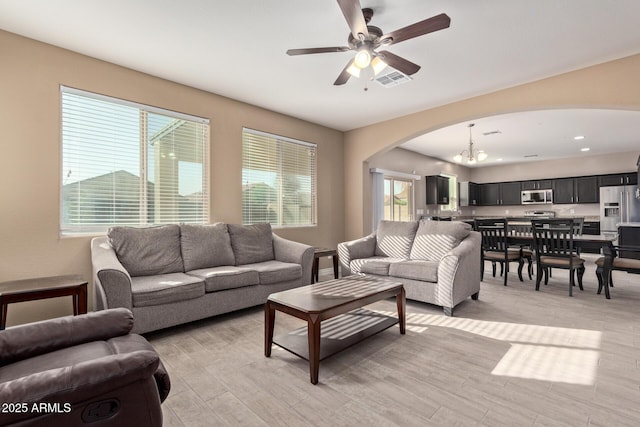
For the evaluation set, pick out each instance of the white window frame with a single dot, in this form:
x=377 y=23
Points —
x=201 y=209
x=277 y=144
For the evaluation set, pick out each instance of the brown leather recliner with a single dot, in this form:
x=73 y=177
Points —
x=80 y=370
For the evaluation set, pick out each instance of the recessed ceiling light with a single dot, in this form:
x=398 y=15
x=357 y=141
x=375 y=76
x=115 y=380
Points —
x=498 y=160
x=585 y=149
x=578 y=138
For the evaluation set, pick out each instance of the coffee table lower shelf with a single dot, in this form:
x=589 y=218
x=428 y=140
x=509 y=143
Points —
x=338 y=333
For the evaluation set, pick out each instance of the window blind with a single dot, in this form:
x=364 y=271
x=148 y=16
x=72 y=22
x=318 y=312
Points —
x=278 y=180
x=129 y=164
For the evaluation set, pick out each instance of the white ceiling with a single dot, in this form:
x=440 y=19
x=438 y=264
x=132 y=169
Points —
x=237 y=49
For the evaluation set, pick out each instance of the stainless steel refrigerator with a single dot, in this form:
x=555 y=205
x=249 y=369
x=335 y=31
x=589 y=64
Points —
x=617 y=205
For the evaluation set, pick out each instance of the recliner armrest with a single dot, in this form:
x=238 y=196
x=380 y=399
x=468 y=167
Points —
x=80 y=382
x=32 y=339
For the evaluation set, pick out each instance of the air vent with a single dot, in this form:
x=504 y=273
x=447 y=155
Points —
x=493 y=132
x=392 y=77
x=530 y=155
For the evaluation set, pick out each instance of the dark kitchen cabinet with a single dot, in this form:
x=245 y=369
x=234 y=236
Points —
x=563 y=191
x=539 y=184
x=587 y=190
x=630 y=178
x=499 y=193
x=437 y=190
x=468 y=192
x=583 y=189
x=629 y=236
x=510 y=193
x=489 y=194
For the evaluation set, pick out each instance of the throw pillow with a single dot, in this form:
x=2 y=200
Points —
x=434 y=239
x=148 y=251
x=205 y=246
x=394 y=238
x=251 y=243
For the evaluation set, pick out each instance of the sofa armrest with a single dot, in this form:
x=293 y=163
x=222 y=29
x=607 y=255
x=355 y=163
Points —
x=363 y=247
x=111 y=281
x=459 y=272
x=295 y=252
x=32 y=339
x=75 y=385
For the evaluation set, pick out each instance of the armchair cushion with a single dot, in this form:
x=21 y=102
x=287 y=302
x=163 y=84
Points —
x=148 y=251
x=394 y=238
x=206 y=246
x=434 y=239
x=251 y=243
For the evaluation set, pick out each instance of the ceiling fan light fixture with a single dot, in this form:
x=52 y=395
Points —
x=353 y=70
x=362 y=58
x=378 y=65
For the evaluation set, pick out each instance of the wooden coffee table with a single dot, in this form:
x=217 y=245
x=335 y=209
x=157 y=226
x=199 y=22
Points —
x=340 y=300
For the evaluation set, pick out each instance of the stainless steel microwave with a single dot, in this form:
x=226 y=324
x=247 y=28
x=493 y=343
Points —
x=530 y=197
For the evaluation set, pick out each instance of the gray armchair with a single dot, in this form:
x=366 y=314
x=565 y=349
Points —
x=79 y=370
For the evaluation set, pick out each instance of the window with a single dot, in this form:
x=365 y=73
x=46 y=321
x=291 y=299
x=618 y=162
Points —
x=278 y=180
x=130 y=164
x=398 y=199
x=453 y=193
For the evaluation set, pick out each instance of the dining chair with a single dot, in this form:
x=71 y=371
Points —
x=553 y=244
x=615 y=258
x=521 y=229
x=495 y=247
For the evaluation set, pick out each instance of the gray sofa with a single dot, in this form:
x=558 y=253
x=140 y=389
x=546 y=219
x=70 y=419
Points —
x=438 y=262
x=169 y=275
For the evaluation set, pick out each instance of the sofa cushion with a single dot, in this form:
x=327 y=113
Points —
x=226 y=277
x=274 y=271
x=147 y=251
x=434 y=239
x=356 y=264
x=426 y=271
x=205 y=246
x=165 y=289
x=251 y=243
x=379 y=266
x=394 y=238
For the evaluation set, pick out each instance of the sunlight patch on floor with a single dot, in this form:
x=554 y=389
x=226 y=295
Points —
x=547 y=363
x=546 y=353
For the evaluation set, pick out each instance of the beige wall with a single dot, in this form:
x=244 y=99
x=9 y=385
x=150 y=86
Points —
x=610 y=85
x=560 y=168
x=30 y=76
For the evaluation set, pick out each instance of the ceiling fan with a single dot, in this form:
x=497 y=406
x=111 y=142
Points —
x=365 y=39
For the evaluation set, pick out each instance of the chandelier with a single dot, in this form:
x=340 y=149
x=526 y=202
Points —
x=471 y=155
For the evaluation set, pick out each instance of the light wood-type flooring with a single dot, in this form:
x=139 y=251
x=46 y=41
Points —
x=516 y=357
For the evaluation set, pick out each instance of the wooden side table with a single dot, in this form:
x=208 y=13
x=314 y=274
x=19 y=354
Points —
x=42 y=288
x=323 y=252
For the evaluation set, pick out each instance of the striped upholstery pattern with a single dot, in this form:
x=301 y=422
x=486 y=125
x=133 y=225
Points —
x=434 y=239
x=394 y=238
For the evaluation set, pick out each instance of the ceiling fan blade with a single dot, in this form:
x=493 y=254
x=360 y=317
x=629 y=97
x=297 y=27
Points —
x=310 y=50
x=435 y=23
x=344 y=75
x=352 y=12
x=399 y=63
